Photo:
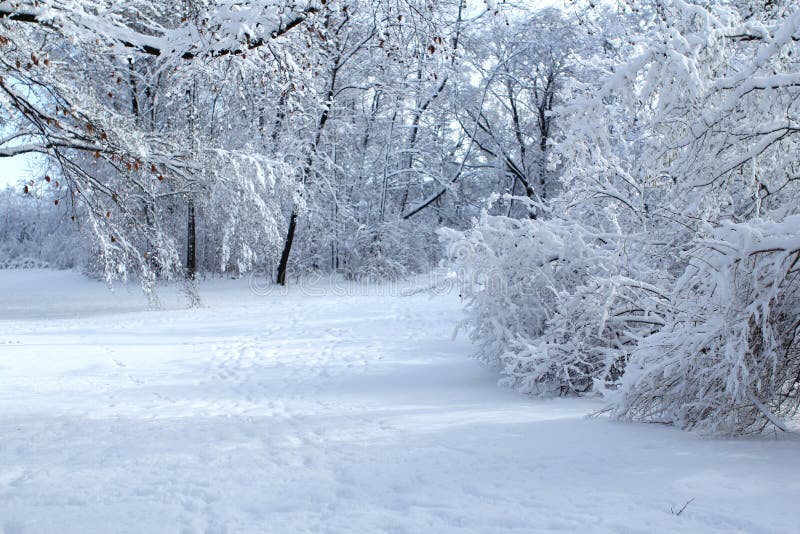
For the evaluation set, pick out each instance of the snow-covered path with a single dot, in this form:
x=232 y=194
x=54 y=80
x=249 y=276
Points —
x=316 y=412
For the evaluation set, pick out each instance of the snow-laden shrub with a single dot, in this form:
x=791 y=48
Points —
x=728 y=359
x=36 y=233
x=389 y=251
x=242 y=219
x=588 y=340
x=549 y=303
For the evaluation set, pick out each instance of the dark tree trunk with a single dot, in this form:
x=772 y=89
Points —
x=307 y=173
x=287 y=249
x=191 y=242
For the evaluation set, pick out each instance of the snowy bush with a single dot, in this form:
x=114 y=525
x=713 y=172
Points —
x=389 y=251
x=37 y=233
x=548 y=303
x=728 y=359
x=587 y=342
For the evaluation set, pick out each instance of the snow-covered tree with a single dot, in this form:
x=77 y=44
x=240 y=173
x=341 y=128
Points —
x=114 y=168
x=677 y=160
x=728 y=357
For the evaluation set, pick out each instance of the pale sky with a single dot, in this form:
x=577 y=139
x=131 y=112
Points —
x=12 y=170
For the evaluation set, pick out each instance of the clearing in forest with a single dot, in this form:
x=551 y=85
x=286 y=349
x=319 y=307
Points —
x=323 y=410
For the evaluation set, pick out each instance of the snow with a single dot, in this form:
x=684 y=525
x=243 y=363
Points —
x=317 y=411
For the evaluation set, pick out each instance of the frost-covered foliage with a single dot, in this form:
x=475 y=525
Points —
x=207 y=136
x=389 y=252
x=239 y=218
x=728 y=358
x=716 y=146
x=34 y=232
x=550 y=302
x=676 y=149
x=110 y=95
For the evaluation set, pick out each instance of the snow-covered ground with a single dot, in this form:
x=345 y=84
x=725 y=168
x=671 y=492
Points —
x=314 y=411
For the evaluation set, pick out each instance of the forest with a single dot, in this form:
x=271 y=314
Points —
x=611 y=185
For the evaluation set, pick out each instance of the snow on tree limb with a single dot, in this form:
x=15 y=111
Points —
x=230 y=26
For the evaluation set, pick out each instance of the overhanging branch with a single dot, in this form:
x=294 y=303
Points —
x=10 y=13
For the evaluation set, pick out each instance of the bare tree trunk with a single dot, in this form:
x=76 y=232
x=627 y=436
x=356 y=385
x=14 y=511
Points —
x=191 y=242
x=308 y=171
x=191 y=218
x=287 y=249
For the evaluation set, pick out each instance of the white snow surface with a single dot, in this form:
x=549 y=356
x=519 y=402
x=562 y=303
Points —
x=313 y=411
